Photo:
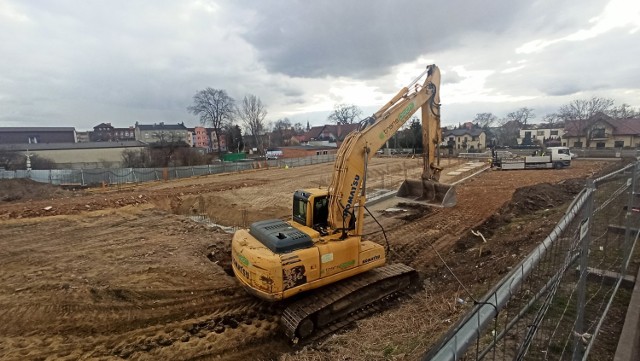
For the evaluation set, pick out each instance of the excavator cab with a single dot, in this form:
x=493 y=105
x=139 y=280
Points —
x=311 y=209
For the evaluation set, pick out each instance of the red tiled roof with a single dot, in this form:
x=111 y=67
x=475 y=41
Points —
x=628 y=126
x=339 y=131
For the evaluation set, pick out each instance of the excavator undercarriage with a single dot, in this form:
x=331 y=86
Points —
x=327 y=309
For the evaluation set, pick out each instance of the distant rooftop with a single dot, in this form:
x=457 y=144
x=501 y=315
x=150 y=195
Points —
x=458 y=132
x=60 y=146
x=308 y=147
x=162 y=126
x=37 y=129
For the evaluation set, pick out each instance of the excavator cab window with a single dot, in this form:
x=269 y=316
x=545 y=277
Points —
x=320 y=212
x=300 y=209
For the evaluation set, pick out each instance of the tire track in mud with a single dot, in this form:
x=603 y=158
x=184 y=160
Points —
x=148 y=327
x=125 y=310
x=72 y=284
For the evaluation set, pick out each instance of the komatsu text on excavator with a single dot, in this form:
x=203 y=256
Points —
x=320 y=254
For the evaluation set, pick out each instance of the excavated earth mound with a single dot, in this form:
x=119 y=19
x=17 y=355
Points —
x=12 y=190
x=525 y=200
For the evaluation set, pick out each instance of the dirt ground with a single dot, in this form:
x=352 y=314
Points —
x=123 y=273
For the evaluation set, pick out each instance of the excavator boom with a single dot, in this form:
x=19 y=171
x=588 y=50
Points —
x=348 y=184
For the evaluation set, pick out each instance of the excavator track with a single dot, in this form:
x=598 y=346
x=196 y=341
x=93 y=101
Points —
x=328 y=309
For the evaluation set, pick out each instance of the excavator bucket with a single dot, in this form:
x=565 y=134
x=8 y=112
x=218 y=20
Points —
x=428 y=192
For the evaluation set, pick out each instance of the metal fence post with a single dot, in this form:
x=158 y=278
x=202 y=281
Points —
x=626 y=247
x=583 y=235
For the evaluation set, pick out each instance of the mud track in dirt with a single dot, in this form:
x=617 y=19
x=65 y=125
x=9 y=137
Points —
x=122 y=273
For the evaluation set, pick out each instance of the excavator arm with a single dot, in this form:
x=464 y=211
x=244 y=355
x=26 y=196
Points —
x=348 y=184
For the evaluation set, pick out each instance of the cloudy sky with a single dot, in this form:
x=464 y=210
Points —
x=80 y=63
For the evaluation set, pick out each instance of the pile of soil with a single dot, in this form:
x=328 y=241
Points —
x=541 y=196
x=12 y=190
x=525 y=200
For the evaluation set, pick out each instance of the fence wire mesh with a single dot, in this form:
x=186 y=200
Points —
x=115 y=176
x=554 y=304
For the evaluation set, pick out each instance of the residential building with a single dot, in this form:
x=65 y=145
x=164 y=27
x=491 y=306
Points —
x=31 y=135
x=328 y=135
x=541 y=134
x=213 y=141
x=465 y=140
x=105 y=132
x=83 y=137
x=200 y=138
x=162 y=133
x=603 y=131
x=300 y=151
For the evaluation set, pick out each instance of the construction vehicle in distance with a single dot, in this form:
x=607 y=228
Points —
x=552 y=157
x=321 y=251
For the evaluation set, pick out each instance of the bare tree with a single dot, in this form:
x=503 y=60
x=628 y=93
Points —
x=252 y=112
x=624 y=111
x=552 y=119
x=298 y=128
x=583 y=109
x=11 y=160
x=344 y=114
x=521 y=116
x=507 y=133
x=485 y=120
x=280 y=128
x=578 y=115
x=214 y=107
x=131 y=159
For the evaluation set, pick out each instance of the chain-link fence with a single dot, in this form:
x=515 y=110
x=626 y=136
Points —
x=553 y=305
x=91 y=177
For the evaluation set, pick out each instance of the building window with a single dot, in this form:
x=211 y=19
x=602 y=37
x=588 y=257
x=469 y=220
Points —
x=554 y=132
x=600 y=145
x=618 y=143
x=540 y=133
x=597 y=133
x=577 y=144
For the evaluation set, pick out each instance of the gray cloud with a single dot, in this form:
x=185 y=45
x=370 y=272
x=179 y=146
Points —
x=81 y=63
x=362 y=38
x=600 y=64
x=452 y=77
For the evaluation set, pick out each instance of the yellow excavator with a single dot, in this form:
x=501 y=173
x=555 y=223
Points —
x=320 y=256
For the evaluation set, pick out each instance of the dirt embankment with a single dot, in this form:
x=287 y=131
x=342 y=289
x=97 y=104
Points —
x=22 y=190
